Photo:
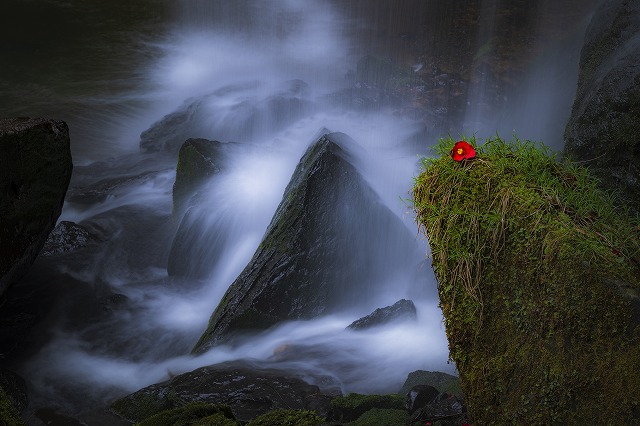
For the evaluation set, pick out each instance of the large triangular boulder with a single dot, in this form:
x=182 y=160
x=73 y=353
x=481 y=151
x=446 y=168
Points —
x=331 y=244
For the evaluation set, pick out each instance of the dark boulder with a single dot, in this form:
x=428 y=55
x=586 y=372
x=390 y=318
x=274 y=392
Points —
x=420 y=396
x=202 y=230
x=605 y=120
x=329 y=244
x=442 y=381
x=249 y=390
x=35 y=169
x=401 y=310
x=198 y=160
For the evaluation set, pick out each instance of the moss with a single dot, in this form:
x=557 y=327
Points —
x=139 y=406
x=537 y=275
x=381 y=417
x=287 y=418
x=8 y=413
x=196 y=413
x=353 y=405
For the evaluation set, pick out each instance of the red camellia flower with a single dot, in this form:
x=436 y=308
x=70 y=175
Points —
x=462 y=151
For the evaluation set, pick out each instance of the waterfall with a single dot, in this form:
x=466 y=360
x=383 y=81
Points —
x=264 y=78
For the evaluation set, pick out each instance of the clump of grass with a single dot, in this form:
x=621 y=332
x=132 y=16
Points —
x=537 y=272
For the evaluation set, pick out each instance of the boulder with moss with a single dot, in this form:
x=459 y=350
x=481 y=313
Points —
x=35 y=170
x=331 y=241
x=248 y=389
x=350 y=407
x=539 y=283
x=284 y=417
x=605 y=120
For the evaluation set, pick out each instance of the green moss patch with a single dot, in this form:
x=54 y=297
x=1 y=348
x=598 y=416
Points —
x=539 y=285
x=196 y=414
x=287 y=418
x=352 y=406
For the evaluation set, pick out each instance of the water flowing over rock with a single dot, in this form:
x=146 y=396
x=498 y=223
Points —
x=35 y=170
x=399 y=311
x=250 y=115
x=330 y=242
x=605 y=121
x=250 y=390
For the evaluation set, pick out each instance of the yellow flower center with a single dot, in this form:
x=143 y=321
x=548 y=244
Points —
x=460 y=151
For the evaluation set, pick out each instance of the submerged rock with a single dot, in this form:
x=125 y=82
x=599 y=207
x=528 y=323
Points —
x=238 y=112
x=35 y=170
x=249 y=391
x=401 y=310
x=605 y=120
x=67 y=236
x=330 y=242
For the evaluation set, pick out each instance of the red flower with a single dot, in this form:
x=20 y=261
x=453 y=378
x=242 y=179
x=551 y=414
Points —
x=462 y=151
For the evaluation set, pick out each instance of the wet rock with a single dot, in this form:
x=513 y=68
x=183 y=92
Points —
x=65 y=237
x=319 y=251
x=238 y=112
x=442 y=381
x=402 y=310
x=248 y=389
x=35 y=169
x=420 y=396
x=350 y=407
x=447 y=410
x=605 y=118
x=198 y=160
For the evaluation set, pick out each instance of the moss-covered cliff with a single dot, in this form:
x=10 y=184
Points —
x=539 y=285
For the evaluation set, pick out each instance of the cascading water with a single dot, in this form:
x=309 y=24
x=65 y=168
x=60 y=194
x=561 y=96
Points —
x=264 y=78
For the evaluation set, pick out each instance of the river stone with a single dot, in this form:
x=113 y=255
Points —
x=248 y=389
x=401 y=310
x=605 y=120
x=198 y=160
x=330 y=242
x=35 y=169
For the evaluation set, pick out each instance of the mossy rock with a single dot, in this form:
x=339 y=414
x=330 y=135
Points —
x=287 y=418
x=445 y=383
x=142 y=405
x=539 y=285
x=195 y=413
x=352 y=406
x=8 y=413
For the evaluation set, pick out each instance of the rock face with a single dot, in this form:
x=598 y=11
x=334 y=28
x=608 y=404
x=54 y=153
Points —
x=330 y=242
x=605 y=119
x=248 y=390
x=35 y=169
x=401 y=310
x=192 y=246
x=539 y=285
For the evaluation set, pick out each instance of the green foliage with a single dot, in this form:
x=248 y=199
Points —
x=353 y=405
x=287 y=418
x=139 y=406
x=536 y=270
x=196 y=414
